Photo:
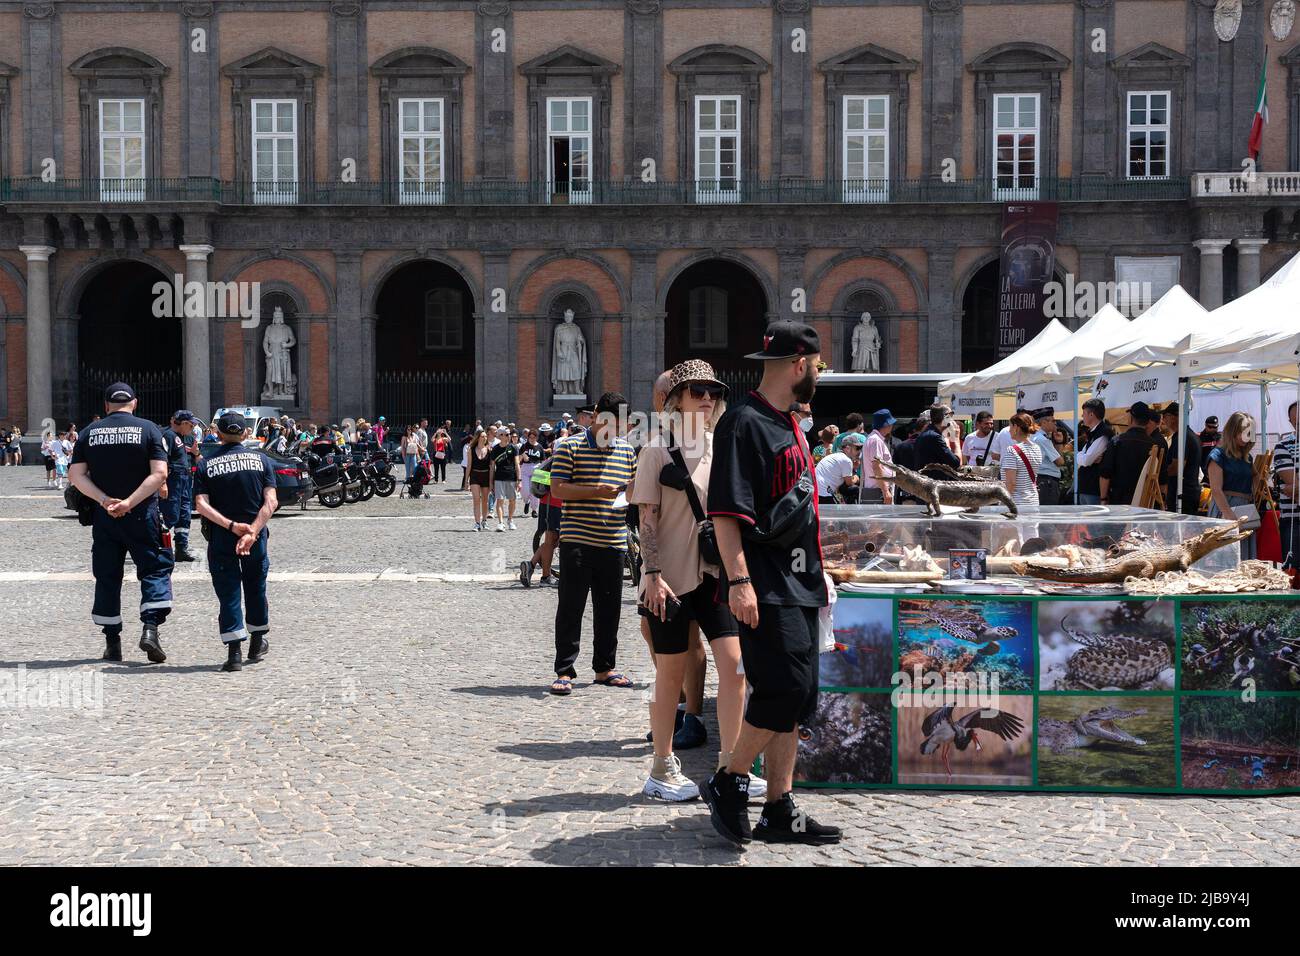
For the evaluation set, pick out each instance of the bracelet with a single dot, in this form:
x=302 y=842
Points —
x=649 y=571
x=231 y=526
x=736 y=582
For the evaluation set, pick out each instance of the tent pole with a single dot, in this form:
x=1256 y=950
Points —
x=1263 y=416
x=1078 y=420
x=1183 y=450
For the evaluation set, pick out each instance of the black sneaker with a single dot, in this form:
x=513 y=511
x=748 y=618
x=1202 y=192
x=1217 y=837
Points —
x=112 y=648
x=150 y=645
x=727 y=795
x=783 y=822
x=526 y=573
x=183 y=553
x=234 y=657
x=691 y=732
x=257 y=648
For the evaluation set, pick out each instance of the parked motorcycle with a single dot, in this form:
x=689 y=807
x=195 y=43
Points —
x=329 y=478
x=379 y=471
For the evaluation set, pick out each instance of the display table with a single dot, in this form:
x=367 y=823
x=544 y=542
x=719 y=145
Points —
x=1049 y=687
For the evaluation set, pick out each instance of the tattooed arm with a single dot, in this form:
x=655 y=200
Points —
x=657 y=591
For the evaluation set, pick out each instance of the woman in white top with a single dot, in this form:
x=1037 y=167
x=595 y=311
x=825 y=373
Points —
x=1020 y=462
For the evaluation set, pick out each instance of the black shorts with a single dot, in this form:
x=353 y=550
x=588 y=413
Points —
x=551 y=515
x=715 y=620
x=49 y=462
x=781 y=660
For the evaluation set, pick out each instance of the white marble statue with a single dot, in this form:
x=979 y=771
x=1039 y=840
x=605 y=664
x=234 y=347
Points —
x=866 y=345
x=569 y=359
x=277 y=346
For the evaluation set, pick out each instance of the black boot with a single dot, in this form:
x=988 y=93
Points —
x=234 y=657
x=783 y=822
x=183 y=552
x=150 y=645
x=258 y=645
x=112 y=647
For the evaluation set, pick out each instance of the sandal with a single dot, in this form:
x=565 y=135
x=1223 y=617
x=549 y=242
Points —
x=614 y=680
x=562 y=686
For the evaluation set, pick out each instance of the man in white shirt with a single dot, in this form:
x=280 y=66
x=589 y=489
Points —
x=977 y=446
x=1002 y=440
x=876 y=446
x=1087 y=461
x=838 y=470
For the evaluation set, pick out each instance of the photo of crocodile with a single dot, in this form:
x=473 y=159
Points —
x=1106 y=645
x=1088 y=742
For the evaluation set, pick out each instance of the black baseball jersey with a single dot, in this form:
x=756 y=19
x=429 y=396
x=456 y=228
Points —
x=234 y=479
x=177 y=458
x=758 y=455
x=117 y=450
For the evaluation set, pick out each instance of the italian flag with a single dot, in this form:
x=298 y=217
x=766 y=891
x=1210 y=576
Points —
x=1261 y=112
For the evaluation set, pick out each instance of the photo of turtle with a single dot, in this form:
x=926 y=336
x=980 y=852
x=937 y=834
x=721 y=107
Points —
x=848 y=740
x=864 y=631
x=968 y=637
x=1105 y=645
x=968 y=746
x=1229 y=644
x=1231 y=744
x=1107 y=741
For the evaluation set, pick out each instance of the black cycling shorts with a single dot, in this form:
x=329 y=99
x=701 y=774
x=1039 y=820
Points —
x=781 y=660
x=715 y=620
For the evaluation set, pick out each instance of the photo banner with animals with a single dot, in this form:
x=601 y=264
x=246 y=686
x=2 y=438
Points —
x=1195 y=694
x=1026 y=265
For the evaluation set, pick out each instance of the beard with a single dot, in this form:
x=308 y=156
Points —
x=804 y=388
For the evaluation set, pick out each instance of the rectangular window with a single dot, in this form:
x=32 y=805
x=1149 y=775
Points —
x=1148 y=135
x=1015 y=146
x=443 y=320
x=121 y=150
x=717 y=149
x=568 y=149
x=707 y=308
x=866 y=149
x=275 y=151
x=420 y=146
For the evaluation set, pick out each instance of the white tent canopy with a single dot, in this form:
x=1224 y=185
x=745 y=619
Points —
x=1160 y=334
x=1053 y=334
x=1254 y=337
x=1078 y=355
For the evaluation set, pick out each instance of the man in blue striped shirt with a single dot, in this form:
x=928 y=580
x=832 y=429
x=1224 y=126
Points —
x=590 y=473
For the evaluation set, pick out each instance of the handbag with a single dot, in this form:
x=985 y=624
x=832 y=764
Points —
x=1251 y=515
x=707 y=536
x=790 y=516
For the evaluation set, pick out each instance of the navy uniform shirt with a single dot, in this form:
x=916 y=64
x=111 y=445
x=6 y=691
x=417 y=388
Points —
x=117 y=449
x=758 y=455
x=234 y=480
x=177 y=457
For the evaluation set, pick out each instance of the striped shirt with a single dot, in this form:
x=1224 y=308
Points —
x=597 y=522
x=1285 y=458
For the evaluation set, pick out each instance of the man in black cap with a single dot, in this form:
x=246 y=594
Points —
x=1190 y=499
x=235 y=492
x=1125 y=458
x=1210 y=436
x=120 y=462
x=177 y=495
x=774 y=584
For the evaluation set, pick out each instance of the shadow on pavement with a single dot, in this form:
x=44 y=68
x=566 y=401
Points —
x=570 y=749
x=688 y=841
x=565 y=803
x=39 y=665
x=504 y=690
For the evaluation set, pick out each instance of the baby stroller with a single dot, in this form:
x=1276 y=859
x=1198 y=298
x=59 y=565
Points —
x=415 y=482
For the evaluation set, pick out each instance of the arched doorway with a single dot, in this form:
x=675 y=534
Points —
x=119 y=338
x=424 y=345
x=979 y=319
x=716 y=310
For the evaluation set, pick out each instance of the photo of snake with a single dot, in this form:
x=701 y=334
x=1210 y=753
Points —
x=1105 y=645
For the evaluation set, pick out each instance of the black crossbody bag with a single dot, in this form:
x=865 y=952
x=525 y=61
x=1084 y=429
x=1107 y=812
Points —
x=790 y=516
x=707 y=536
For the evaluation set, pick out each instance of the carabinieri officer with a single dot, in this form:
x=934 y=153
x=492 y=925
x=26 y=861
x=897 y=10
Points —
x=235 y=491
x=178 y=498
x=120 y=462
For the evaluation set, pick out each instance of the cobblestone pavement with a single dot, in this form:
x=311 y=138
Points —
x=367 y=738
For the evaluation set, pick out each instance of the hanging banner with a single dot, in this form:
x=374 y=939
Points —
x=970 y=404
x=1028 y=258
x=1057 y=395
x=1151 y=385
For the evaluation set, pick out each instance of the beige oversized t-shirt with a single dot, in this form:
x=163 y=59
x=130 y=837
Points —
x=679 y=550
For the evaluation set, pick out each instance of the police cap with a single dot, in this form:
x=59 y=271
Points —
x=231 y=423
x=119 y=393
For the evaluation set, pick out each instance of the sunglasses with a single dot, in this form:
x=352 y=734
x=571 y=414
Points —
x=699 y=390
x=822 y=366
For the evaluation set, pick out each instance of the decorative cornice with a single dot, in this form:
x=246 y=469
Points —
x=644 y=7
x=943 y=6
x=1096 y=4
x=494 y=8
x=38 y=11
x=197 y=11
x=345 y=8
x=792 y=6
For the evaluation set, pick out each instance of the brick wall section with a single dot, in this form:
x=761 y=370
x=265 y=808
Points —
x=526 y=333
x=320 y=371
x=234 y=357
x=580 y=270
x=886 y=273
x=16 y=372
x=294 y=273
x=909 y=350
x=823 y=327
x=612 y=343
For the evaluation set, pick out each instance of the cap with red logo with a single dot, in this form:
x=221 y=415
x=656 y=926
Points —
x=786 y=340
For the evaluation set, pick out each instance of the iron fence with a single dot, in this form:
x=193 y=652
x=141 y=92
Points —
x=406 y=397
x=160 y=393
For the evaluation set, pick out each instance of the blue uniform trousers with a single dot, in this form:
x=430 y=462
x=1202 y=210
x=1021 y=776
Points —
x=139 y=533
x=178 y=504
x=233 y=573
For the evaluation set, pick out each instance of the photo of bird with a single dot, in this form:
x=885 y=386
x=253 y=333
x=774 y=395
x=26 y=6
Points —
x=943 y=732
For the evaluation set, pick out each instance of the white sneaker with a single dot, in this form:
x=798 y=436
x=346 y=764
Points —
x=757 y=787
x=477 y=527
x=500 y=526
x=667 y=782
x=512 y=526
